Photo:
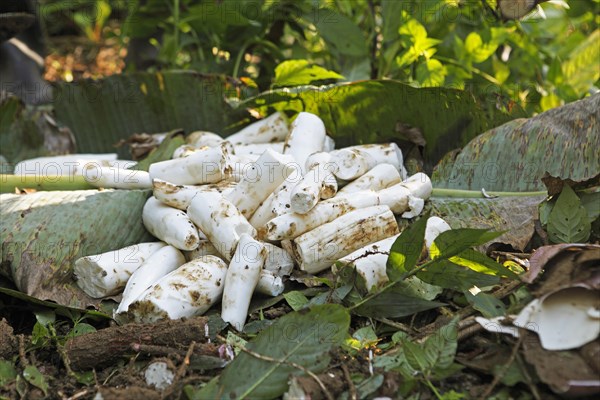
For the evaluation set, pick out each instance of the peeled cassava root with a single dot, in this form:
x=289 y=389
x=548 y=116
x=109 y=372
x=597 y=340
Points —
x=236 y=216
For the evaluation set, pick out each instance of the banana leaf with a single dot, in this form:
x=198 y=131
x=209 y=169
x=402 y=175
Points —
x=514 y=157
x=43 y=233
x=103 y=112
x=379 y=111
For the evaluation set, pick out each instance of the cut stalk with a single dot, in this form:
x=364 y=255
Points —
x=185 y=292
x=11 y=183
x=478 y=194
x=116 y=178
x=242 y=277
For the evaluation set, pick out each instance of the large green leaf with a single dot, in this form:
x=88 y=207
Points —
x=568 y=221
x=303 y=338
x=581 y=69
x=394 y=304
x=379 y=111
x=448 y=275
x=406 y=250
x=100 y=113
x=301 y=72
x=515 y=156
x=514 y=215
x=43 y=233
x=339 y=31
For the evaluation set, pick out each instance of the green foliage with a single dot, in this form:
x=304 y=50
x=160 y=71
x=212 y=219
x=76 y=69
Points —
x=537 y=62
x=36 y=378
x=8 y=373
x=302 y=338
x=301 y=72
x=568 y=222
x=295 y=299
x=90 y=16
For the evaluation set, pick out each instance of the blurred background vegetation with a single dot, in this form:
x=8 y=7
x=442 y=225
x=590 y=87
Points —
x=549 y=58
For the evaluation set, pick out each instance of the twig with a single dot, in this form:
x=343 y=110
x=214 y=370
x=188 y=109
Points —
x=186 y=362
x=292 y=364
x=400 y=326
x=180 y=372
x=353 y=392
x=78 y=395
x=502 y=372
x=530 y=382
x=22 y=357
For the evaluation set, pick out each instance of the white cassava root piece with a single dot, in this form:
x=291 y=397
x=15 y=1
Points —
x=269 y=284
x=242 y=277
x=220 y=221
x=257 y=148
x=170 y=225
x=184 y=150
x=307 y=136
x=180 y=196
x=264 y=176
x=379 y=177
x=319 y=248
x=201 y=139
x=273 y=128
x=408 y=197
x=159 y=264
x=185 y=292
x=205 y=248
x=370 y=262
x=435 y=226
x=278 y=202
x=207 y=165
x=116 y=178
x=278 y=261
x=355 y=161
x=106 y=274
x=318 y=182
x=292 y=225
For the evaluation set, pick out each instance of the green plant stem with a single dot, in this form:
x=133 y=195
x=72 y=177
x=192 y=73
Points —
x=474 y=194
x=433 y=389
x=176 y=22
x=8 y=183
x=470 y=69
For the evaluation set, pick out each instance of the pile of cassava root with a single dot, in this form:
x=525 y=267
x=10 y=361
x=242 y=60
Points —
x=236 y=216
